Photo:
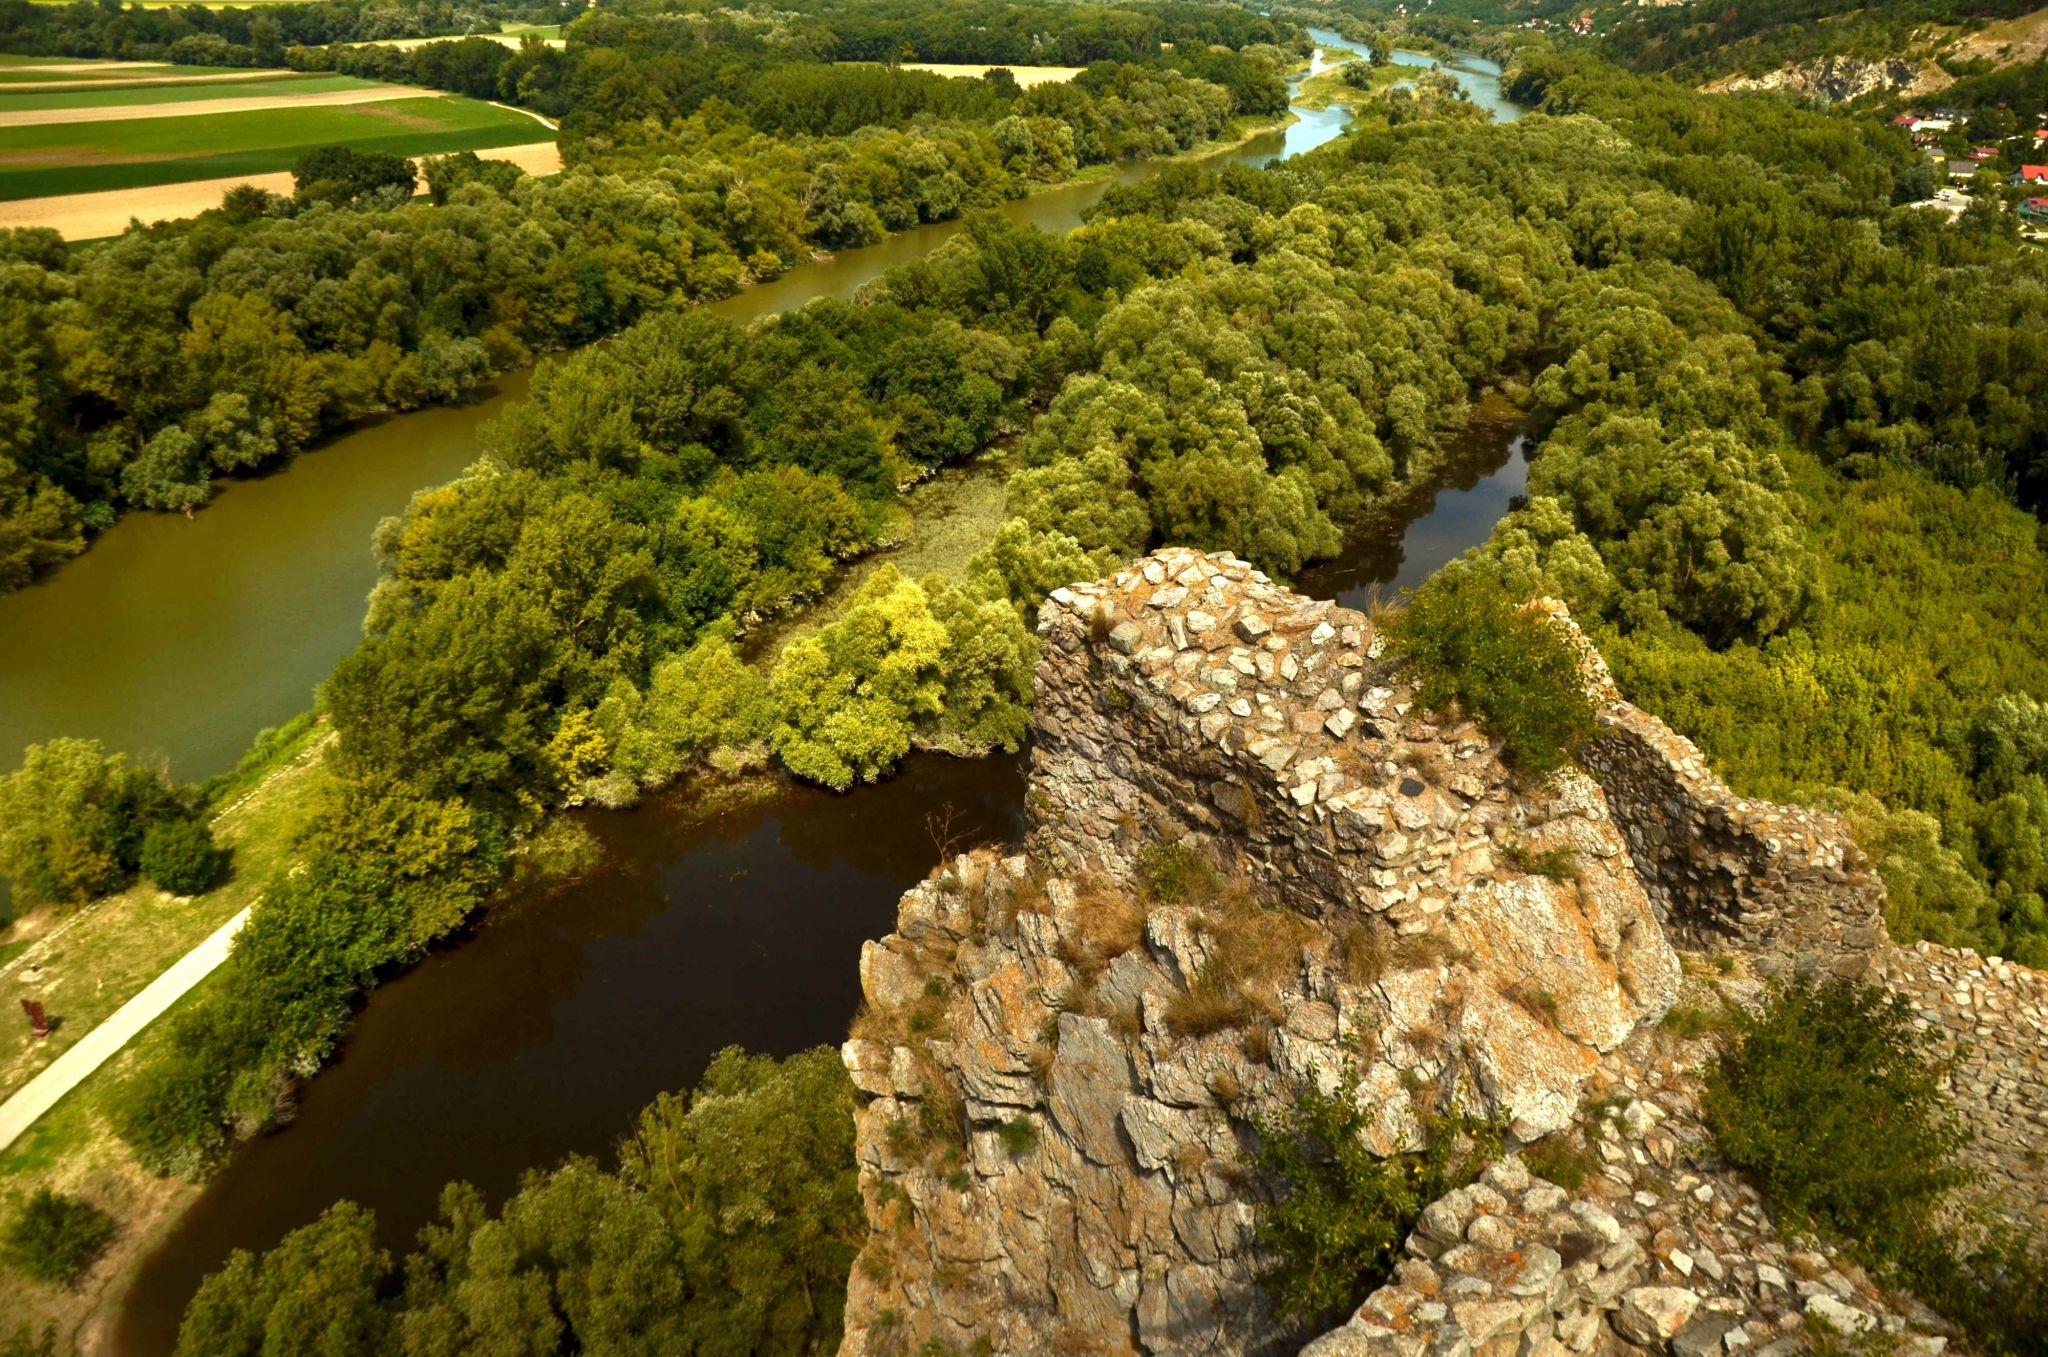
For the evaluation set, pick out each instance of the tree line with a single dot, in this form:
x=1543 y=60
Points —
x=1234 y=359
x=258 y=35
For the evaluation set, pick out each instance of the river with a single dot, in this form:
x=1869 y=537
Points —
x=571 y=1006
x=179 y=638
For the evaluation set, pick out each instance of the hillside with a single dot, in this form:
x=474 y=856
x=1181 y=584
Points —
x=1825 y=49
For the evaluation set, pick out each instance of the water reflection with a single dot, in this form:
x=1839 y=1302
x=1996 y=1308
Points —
x=547 y=1030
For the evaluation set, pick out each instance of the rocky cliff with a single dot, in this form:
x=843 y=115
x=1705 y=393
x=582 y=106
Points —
x=1254 y=864
x=1838 y=80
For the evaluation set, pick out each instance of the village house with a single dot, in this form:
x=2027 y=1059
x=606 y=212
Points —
x=2031 y=174
x=2035 y=210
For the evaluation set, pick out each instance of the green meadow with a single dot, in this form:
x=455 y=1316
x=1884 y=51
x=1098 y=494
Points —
x=140 y=93
x=64 y=158
x=21 y=70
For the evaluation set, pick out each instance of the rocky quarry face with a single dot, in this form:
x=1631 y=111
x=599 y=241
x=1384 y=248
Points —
x=1839 y=80
x=1256 y=864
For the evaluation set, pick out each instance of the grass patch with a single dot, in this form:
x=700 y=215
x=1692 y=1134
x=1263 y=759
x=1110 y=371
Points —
x=58 y=159
x=1690 y=1022
x=1019 y=1135
x=1555 y=864
x=1563 y=1159
x=1174 y=874
x=140 y=93
x=1335 y=87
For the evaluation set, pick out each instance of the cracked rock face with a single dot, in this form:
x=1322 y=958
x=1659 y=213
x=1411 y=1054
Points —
x=1255 y=865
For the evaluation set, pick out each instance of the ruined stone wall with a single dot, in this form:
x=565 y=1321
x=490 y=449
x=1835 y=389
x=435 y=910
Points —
x=1050 y=1146
x=1991 y=1019
x=1785 y=884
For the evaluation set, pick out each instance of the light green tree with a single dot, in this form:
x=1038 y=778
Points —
x=849 y=696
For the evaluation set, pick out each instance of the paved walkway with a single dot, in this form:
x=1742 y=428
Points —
x=98 y=1046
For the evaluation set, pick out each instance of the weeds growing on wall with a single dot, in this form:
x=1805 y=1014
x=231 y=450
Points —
x=1474 y=644
x=1340 y=1212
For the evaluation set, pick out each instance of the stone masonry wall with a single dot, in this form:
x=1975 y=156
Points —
x=1781 y=882
x=1050 y=1146
x=1991 y=1017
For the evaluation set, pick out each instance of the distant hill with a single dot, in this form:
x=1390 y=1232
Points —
x=1826 y=48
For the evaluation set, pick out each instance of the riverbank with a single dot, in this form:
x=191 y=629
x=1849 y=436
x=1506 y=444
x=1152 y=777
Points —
x=535 y=985
x=83 y=969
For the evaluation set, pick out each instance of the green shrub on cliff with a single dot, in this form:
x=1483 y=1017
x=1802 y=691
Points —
x=1828 y=1098
x=1474 y=644
x=1340 y=1212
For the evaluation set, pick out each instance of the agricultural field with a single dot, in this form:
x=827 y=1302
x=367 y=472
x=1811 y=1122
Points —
x=512 y=36
x=1027 y=76
x=70 y=128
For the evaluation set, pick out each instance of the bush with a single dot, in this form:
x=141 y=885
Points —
x=342 y=175
x=1175 y=874
x=181 y=857
x=55 y=1238
x=1019 y=1135
x=1474 y=644
x=1341 y=1212
x=1827 y=1099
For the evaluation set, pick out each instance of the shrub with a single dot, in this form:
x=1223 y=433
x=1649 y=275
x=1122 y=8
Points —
x=1474 y=644
x=1175 y=874
x=1019 y=1135
x=1556 y=864
x=1340 y=1213
x=1826 y=1097
x=181 y=857
x=55 y=1238
x=1562 y=1159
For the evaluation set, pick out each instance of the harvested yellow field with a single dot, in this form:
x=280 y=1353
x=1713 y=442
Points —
x=94 y=216
x=1027 y=76
x=59 y=64
x=192 y=108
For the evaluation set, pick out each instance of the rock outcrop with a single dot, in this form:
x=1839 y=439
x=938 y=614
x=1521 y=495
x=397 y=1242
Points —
x=1839 y=80
x=1255 y=864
